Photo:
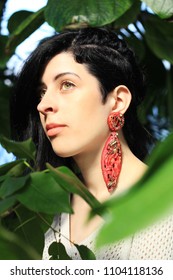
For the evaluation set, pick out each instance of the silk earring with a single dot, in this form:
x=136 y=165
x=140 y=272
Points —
x=111 y=159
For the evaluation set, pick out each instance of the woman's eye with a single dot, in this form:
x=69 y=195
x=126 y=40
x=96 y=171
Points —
x=42 y=93
x=67 y=85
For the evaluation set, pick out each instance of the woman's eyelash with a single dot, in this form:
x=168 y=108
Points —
x=42 y=92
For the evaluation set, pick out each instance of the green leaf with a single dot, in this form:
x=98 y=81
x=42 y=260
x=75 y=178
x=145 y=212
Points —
x=156 y=86
x=159 y=37
x=160 y=155
x=58 y=251
x=28 y=227
x=14 y=168
x=1 y=7
x=13 y=248
x=47 y=221
x=69 y=182
x=4 y=107
x=2 y=178
x=43 y=194
x=163 y=8
x=25 y=29
x=7 y=203
x=4 y=57
x=74 y=14
x=137 y=45
x=85 y=253
x=170 y=94
x=25 y=149
x=128 y=17
x=16 y=19
x=156 y=74
x=145 y=202
x=11 y=185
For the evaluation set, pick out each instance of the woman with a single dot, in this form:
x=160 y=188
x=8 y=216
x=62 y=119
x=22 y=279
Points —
x=80 y=91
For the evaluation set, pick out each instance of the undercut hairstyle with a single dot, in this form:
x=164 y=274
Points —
x=108 y=58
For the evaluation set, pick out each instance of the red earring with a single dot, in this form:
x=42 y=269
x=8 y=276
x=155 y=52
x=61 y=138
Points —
x=111 y=159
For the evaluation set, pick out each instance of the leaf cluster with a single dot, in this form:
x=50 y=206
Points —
x=30 y=200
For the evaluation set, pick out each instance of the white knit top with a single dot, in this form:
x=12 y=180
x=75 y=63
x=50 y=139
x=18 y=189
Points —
x=153 y=243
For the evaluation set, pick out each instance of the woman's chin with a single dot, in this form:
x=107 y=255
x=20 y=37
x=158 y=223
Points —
x=63 y=154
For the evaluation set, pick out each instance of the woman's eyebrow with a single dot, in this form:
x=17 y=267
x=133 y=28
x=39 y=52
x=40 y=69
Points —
x=63 y=74
x=42 y=84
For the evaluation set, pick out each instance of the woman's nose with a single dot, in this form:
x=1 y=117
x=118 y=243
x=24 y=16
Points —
x=47 y=105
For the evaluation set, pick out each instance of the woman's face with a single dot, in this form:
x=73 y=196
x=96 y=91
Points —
x=71 y=109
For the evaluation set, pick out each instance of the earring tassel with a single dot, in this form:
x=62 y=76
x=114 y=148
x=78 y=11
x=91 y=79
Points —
x=111 y=161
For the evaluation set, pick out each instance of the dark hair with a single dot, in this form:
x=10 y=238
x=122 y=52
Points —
x=107 y=57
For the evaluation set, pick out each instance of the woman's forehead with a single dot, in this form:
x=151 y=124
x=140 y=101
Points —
x=61 y=64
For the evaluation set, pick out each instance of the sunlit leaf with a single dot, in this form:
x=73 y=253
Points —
x=159 y=37
x=43 y=194
x=24 y=30
x=145 y=202
x=163 y=8
x=85 y=252
x=25 y=149
x=57 y=251
x=14 y=168
x=73 y=14
x=128 y=17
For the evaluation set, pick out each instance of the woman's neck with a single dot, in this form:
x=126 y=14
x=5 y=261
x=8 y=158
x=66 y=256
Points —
x=90 y=167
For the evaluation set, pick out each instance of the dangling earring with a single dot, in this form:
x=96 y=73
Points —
x=111 y=159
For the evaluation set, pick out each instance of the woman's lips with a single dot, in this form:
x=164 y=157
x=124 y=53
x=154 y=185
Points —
x=54 y=129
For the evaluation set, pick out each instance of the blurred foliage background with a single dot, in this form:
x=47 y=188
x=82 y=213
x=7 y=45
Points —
x=148 y=28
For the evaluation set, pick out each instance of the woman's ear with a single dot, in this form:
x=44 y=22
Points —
x=122 y=97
